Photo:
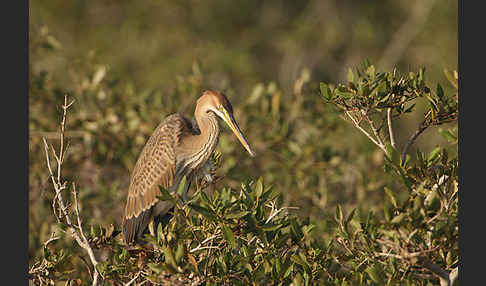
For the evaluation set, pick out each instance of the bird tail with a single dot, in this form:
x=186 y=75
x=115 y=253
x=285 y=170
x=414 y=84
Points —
x=133 y=227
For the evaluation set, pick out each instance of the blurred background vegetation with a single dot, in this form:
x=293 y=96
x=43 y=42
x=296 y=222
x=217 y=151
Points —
x=129 y=64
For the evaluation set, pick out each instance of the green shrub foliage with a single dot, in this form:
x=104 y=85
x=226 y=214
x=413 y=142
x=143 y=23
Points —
x=372 y=210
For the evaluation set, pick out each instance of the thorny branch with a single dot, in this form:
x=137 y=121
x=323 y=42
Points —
x=75 y=230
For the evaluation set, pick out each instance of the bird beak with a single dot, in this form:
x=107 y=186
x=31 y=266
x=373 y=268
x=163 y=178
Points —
x=230 y=120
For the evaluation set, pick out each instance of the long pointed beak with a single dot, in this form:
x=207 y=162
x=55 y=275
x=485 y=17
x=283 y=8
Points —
x=230 y=120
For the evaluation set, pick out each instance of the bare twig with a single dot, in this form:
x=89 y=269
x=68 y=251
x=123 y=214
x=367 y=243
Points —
x=419 y=257
x=373 y=128
x=389 y=255
x=356 y=124
x=274 y=212
x=134 y=278
x=200 y=246
x=75 y=230
x=51 y=239
x=57 y=135
x=390 y=128
x=414 y=137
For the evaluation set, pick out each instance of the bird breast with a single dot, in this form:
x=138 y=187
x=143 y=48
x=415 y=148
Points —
x=195 y=149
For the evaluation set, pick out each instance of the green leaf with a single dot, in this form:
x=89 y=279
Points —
x=392 y=154
x=385 y=98
x=47 y=253
x=350 y=75
x=169 y=256
x=370 y=71
x=391 y=196
x=440 y=91
x=451 y=77
x=295 y=227
x=247 y=192
x=180 y=252
x=350 y=217
x=325 y=91
x=309 y=228
x=259 y=187
x=229 y=236
x=434 y=154
x=300 y=259
x=205 y=199
x=160 y=233
x=366 y=64
x=237 y=215
x=165 y=195
x=387 y=212
x=398 y=219
x=92 y=231
x=448 y=135
x=421 y=72
x=344 y=94
x=278 y=266
x=432 y=201
x=288 y=267
x=338 y=216
x=409 y=109
x=204 y=211
x=182 y=186
x=271 y=227
x=404 y=177
x=297 y=280
x=376 y=274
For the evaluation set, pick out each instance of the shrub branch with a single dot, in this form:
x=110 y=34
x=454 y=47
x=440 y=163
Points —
x=357 y=125
x=390 y=128
x=75 y=230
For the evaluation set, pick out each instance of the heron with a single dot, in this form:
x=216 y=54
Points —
x=177 y=148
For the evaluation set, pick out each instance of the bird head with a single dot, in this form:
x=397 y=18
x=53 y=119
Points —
x=217 y=102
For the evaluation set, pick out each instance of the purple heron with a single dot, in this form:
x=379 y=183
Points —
x=177 y=148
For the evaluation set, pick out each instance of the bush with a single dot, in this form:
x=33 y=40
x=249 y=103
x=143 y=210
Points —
x=316 y=215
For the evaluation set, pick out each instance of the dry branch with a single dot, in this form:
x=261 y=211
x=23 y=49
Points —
x=414 y=137
x=59 y=185
x=356 y=124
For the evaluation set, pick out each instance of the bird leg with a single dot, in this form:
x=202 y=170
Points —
x=208 y=170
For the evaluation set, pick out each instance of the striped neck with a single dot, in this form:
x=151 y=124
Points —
x=203 y=145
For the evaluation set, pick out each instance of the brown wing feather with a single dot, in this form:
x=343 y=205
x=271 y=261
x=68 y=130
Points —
x=155 y=166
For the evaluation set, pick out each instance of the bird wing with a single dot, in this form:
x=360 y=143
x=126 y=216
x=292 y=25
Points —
x=155 y=166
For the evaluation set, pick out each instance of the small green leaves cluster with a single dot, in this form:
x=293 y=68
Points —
x=416 y=233
x=245 y=232
x=367 y=88
x=237 y=237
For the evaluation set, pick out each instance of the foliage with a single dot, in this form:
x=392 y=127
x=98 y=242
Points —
x=419 y=230
x=334 y=210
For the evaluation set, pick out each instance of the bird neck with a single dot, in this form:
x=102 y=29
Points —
x=209 y=127
x=203 y=145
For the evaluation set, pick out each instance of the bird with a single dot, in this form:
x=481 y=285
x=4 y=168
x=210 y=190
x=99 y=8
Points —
x=177 y=148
